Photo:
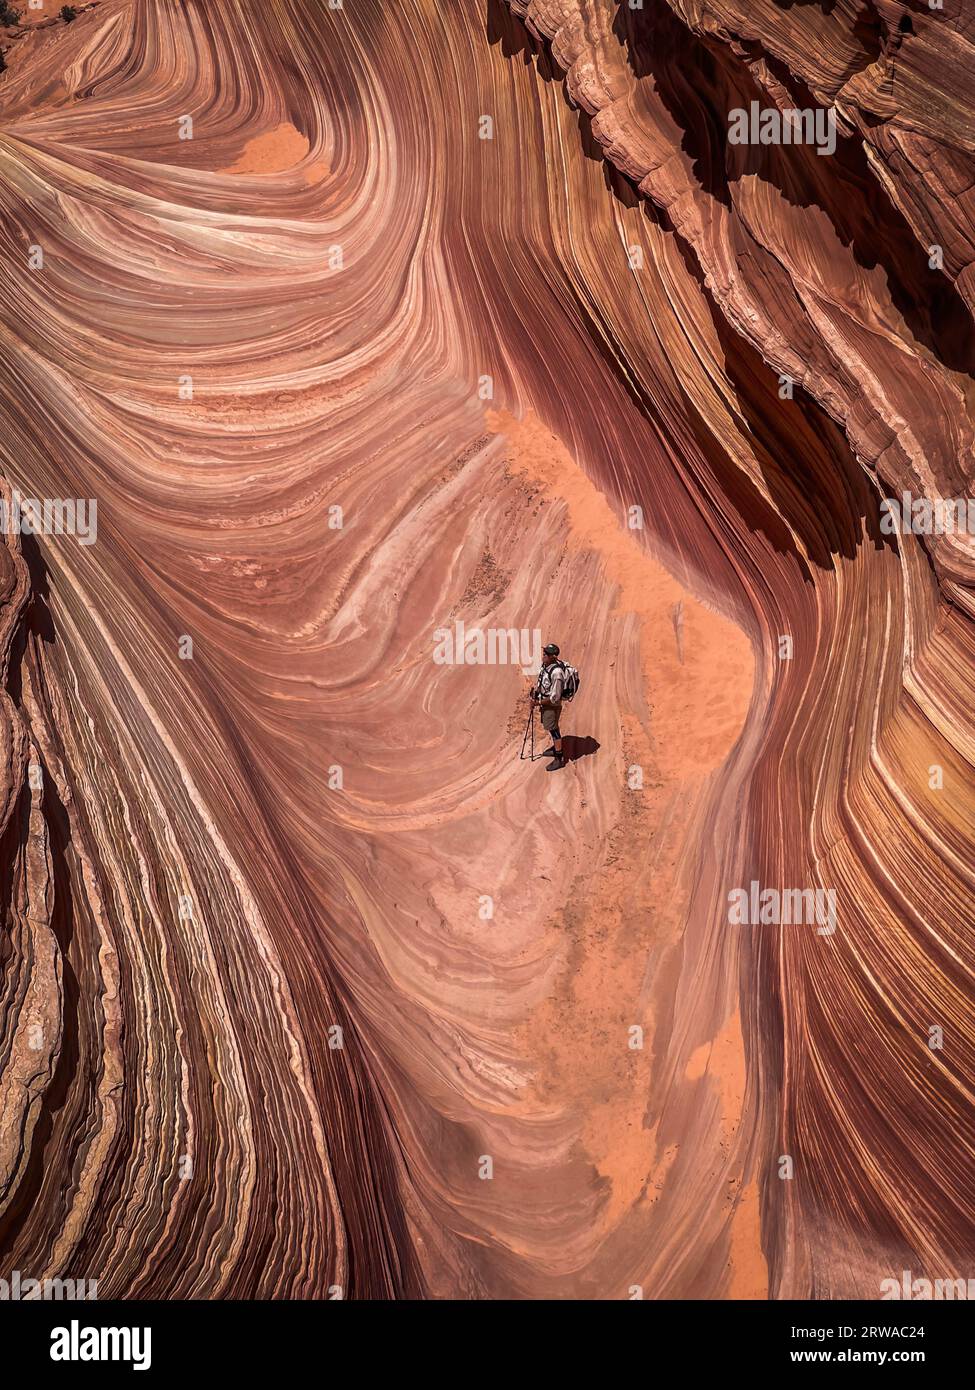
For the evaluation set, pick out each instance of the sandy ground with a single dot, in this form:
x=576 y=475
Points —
x=629 y=889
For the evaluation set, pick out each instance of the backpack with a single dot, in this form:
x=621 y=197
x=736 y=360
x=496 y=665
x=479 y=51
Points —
x=570 y=684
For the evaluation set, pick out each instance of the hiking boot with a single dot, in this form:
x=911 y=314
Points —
x=549 y=753
x=557 y=762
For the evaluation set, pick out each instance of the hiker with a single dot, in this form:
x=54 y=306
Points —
x=547 y=694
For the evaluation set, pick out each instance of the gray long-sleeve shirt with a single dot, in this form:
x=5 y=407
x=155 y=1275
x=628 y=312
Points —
x=551 y=680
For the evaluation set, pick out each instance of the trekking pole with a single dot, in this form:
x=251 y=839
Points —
x=529 y=726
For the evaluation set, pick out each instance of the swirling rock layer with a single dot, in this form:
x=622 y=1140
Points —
x=356 y=328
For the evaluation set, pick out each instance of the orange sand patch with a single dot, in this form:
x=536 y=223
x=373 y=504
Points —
x=272 y=152
x=699 y=690
x=749 y=1270
x=723 y=1061
x=316 y=172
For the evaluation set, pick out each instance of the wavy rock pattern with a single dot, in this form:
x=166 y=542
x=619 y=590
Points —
x=259 y=1030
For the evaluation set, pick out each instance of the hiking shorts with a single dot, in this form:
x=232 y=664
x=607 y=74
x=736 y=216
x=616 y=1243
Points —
x=550 y=720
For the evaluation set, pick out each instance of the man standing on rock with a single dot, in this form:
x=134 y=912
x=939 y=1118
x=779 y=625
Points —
x=548 y=696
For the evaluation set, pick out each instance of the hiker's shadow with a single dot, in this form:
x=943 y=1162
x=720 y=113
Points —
x=573 y=747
